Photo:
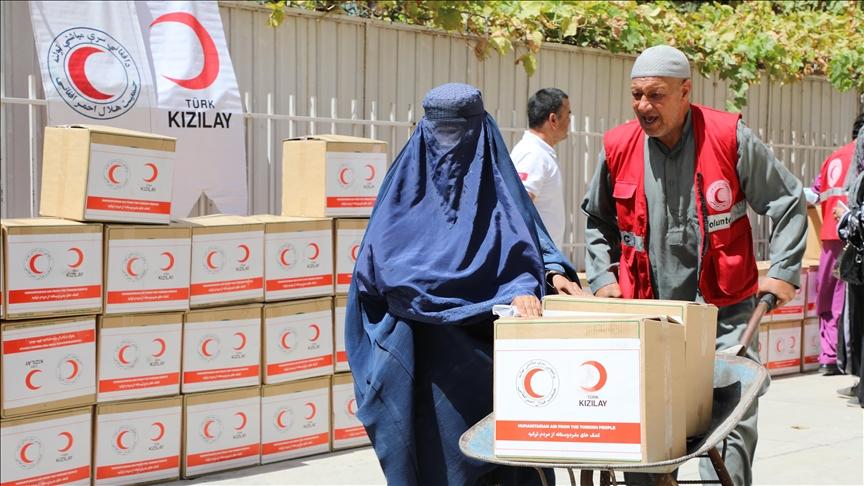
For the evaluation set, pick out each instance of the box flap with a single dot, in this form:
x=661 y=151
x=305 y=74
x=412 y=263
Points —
x=297 y=307
x=135 y=320
x=334 y=138
x=295 y=386
x=118 y=131
x=218 y=220
x=343 y=378
x=222 y=395
x=139 y=404
x=249 y=311
x=30 y=222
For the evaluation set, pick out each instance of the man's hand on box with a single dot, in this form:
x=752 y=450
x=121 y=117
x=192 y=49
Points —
x=565 y=286
x=527 y=305
x=780 y=288
x=611 y=290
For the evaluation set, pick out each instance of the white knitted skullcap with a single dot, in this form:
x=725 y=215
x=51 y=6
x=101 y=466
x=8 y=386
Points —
x=661 y=61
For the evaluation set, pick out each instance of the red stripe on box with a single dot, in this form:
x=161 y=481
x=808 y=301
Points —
x=26 y=296
x=222 y=455
x=576 y=432
x=220 y=374
x=152 y=295
x=128 y=205
x=294 y=444
x=343 y=279
x=349 y=433
x=299 y=365
x=50 y=341
x=227 y=286
x=786 y=363
x=62 y=477
x=136 y=468
x=811 y=359
x=351 y=202
x=341 y=356
x=138 y=382
x=299 y=282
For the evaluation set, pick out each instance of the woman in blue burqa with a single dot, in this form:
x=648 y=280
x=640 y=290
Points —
x=453 y=233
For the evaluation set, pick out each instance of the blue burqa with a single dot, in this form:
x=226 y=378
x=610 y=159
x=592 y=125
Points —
x=453 y=232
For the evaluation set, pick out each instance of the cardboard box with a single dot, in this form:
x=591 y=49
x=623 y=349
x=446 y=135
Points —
x=812 y=345
x=221 y=348
x=763 y=267
x=48 y=364
x=138 y=442
x=295 y=419
x=763 y=344
x=98 y=173
x=340 y=355
x=221 y=431
x=50 y=448
x=147 y=268
x=795 y=308
x=349 y=235
x=139 y=356
x=814 y=227
x=784 y=348
x=812 y=288
x=700 y=336
x=2 y=279
x=347 y=429
x=298 y=257
x=331 y=175
x=227 y=260
x=53 y=268
x=298 y=340
x=607 y=387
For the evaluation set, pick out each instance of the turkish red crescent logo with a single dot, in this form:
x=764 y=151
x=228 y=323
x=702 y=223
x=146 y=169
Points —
x=22 y=453
x=279 y=422
x=79 y=257
x=78 y=75
x=170 y=264
x=371 y=172
x=32 y=263
x=601 y=376
x=316 y=330
x=284 y=339
x=780 y=343
x=352 y=407
x=246 y=253
x=75 y=369
x=242 y=420
x=204 y=350
x=835 y=169
x=312 y=410
x=315 y=250
x=119 y=440
x=28 y=380
x=161 y=431
x=130 y=266
x=526 y=383
x=209 y=261
x=242 y=341
x=121 y=354
x=719 y=195
x=162 y=346
x=345 y=176
x=206 y=429
x=112 y=173
x=210 y=69
x=69 y=441
x=154 y=172
x=354 y=250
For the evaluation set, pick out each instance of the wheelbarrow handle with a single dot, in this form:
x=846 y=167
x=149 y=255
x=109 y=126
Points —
x=767 y=302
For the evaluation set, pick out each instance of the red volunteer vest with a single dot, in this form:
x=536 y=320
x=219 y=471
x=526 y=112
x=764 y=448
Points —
x=832 y=177
x=727 y=264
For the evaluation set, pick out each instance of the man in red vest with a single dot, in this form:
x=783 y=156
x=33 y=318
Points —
x=667 y=216
x=832 y=291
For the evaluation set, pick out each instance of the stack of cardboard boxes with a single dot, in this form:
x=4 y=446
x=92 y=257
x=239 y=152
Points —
x=144 y=352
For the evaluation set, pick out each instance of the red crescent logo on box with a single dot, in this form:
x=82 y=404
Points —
x=352 y=407
x=242 y=344
x=288 y=340
x=537 y=383
x=73 y=364
x=29 y=452
x=312 y=410
x=125 y=440
x=170 y=264
x=135 y=267
x=599 y=381
x=211 y=429
x=242 y=420
x=214 y=260
x=154 y=172
x=246 y=253
x=719 y=195
x=313 y=250
x=38 y=263
x=79 y=257
x=346 y=176
x=317 y=332
x=210 y=68
x=124 y=352
x=116 y=173
x=162 y=347
x=69 y=442
x=160 y=427
x=287 y=256
x=209 y=347
x=371 y=172
x=28 y=379
x=835 y=168
x=281 y=422
x=354 y=250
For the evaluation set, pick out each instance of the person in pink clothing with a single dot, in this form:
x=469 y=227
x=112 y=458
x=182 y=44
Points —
x=828 y=186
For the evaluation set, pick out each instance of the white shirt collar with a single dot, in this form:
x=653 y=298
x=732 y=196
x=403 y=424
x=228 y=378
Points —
x=533 y=138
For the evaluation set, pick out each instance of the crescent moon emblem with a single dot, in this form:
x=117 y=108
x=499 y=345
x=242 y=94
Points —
x=723 y=196
x=28 y=380
x=32 y=263
x=119 y=441
x=284 y=343
x=526 y=383
x=601 y=381
x=352 y=407
x=154 y=172
x=210 y=260
x=120 y=354
x=204 y=347
x=371 y=172
x=170 y=264
x=354 y=250
x=312 y=410
x=279 y=420
x=207 y=425
x=342 y=176
x=161 y=427
x=791 y=341
x=74 y=369
x=78 y=74
x=111 y=176
x=243 y=420
x=282 y=256
x=317 y=330
x=242 y=341
x=129 y=265
x=22 y=454
x=315 y=249
x=210 y=69
x=779 y=345
x=162 y=346
x=69 y=441
x=246 y=253
x=79 y=257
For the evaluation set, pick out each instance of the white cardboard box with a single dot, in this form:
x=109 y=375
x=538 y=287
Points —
x=812 y=290
x=295 y=419
x=784 y=348
x=341 y=356
x=298 y=340
x=347 y=429
x=812 y=345
x=763 y=344
x=794 y=309
x=349 y=235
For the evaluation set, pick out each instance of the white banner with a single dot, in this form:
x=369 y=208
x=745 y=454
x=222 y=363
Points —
x=160 y=67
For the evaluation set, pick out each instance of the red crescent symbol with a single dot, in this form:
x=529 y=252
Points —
x=779 y=345
x=77 y=74
x=119 y=440
x=210 y=260
x=285 y=335
x=74 y=369
x=129 y=264
x=371 y=172
x=210 y=69
x=351 y=407
x=243 y=423
x=601 y=370
x=317 y=332
x=79 y=254
x=28 y=380
x=526 y=383
x=69 y=441
x=723 y=196
x=161 y=427
x=279 y=419
x=354 y=250
x=207 y=425
x=242 y=341
x=161 y=343
x=312 y=410
x=170 y=261
x=246 y=253
x=282 y=256
x=342 y=176
x=204 y=347
x=22 y=454
x=154 y=171
x=120 y=356
x=316 y=249
x=111 y=170
x=791 y=341
x=33 y=263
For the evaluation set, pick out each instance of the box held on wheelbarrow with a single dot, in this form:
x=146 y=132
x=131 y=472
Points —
x=700 y=334
x=598 y=388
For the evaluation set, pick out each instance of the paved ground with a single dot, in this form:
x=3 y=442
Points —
x=808 y=436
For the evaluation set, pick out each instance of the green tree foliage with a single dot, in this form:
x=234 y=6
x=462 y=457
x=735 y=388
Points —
x=739 y=41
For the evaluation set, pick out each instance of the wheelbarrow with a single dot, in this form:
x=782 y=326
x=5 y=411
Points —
x=738 y=381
